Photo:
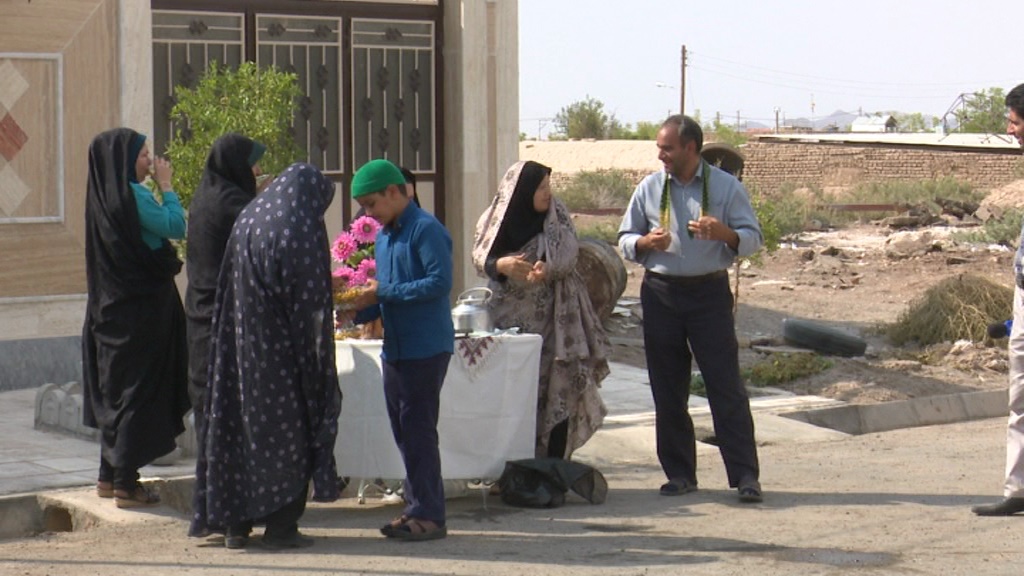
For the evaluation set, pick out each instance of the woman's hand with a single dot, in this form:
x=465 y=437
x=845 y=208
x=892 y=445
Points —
x=162 y=172
x=538 y=274
x=515 y=267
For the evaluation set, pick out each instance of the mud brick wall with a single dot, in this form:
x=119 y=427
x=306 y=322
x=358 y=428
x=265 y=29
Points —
x=770 y=165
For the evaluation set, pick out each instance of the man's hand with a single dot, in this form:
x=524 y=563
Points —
x=367 y=296
x=711 y=228
x=657 y=239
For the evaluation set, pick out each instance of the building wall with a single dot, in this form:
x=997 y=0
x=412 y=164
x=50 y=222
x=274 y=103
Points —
x=769 y=165
x=481 y=105
x=59 y=87
x=89 y=64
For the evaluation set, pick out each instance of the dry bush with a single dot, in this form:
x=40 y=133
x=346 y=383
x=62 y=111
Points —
x=957 y=308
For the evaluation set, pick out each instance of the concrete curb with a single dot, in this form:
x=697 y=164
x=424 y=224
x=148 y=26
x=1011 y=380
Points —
x=868 y=418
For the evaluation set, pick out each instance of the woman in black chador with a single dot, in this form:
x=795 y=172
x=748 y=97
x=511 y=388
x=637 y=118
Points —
x=227 y=186
x=133 y=342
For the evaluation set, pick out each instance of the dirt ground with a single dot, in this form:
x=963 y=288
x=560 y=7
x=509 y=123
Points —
x=854 y=279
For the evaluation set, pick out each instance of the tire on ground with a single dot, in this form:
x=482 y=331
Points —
x=824 y=339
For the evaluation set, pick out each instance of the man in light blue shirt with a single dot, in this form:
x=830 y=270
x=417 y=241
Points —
x=687 y=225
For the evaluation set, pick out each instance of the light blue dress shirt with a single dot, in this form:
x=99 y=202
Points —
x=727 y=200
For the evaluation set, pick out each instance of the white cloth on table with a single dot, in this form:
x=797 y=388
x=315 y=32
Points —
x=488 y=409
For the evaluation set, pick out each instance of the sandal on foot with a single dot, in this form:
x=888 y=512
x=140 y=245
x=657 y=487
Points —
x=140 y=497
x=414 y=530
x=104 y=489
x=677 y=487
x=390 y=527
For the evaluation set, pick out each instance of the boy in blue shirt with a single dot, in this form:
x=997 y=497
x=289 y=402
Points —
x=411 y=295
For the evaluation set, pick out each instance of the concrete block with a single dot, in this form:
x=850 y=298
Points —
x=842 y=418
x=20 y=516
x=938 y=409
x=886 y=416
x=41 y=394
x=49 y=399
x=986 y=404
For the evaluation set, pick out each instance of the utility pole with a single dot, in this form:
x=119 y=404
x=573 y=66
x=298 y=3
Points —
x=737 y=120
x=682 y=84
x=776 y=119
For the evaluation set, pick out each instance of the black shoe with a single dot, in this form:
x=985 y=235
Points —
x=1005 y=507
x=235 y=542
x=750 y=492
x=296 y=540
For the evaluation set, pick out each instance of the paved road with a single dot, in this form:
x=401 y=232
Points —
x=888 y=503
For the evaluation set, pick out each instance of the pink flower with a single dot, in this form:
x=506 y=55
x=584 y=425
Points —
x=367 y=269
x=358 y=278
x=345 y=274
x=343 y=247
x=365 y=229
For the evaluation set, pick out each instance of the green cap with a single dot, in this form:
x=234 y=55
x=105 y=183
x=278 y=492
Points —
x=375 y=176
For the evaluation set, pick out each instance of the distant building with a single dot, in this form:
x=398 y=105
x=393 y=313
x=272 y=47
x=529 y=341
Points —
x=886 y=123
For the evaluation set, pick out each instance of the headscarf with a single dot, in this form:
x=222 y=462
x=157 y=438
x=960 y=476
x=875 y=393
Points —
x=226 y=187
x=511 y=221
x=134 y=149
x=118 y=262
x=274 y=400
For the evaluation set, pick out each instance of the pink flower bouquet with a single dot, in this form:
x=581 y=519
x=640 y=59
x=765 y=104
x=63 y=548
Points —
x=353 y=249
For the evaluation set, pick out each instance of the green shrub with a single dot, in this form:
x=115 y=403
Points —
x=781 y=367
x=589 y=190
x=1004 y=230
x=601 y=231
x=258 y=103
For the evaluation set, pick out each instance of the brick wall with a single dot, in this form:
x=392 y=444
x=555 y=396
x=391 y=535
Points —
x=769 y=165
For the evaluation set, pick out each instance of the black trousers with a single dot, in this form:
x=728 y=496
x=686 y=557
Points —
x=412 y=392
x=122 y=478
x=683 y=322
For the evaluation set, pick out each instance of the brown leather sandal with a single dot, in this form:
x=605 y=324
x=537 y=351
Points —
x=104 y=489
x=140 y=497
x=390 y=527
x=416 y=530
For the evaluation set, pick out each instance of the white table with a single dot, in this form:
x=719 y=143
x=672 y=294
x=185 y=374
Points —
x=488 y=409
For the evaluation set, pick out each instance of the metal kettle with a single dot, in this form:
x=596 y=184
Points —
x=471 y=314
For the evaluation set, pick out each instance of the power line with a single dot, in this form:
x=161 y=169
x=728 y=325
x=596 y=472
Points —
x=850 y=81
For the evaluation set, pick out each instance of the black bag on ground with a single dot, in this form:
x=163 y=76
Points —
x=543 y=482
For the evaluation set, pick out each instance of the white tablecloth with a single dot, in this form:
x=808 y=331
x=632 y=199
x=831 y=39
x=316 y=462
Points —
x=488 y=409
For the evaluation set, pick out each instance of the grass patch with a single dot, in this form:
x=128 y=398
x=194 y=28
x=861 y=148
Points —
x=782 y=367
x=598 y=189
x=793 y=208
x=1004 y=230
x=957 y=308
x=602 y=231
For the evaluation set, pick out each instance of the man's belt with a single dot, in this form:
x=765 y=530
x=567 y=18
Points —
x=687 y=280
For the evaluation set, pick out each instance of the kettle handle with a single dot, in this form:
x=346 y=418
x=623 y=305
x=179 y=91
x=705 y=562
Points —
x=485 y=289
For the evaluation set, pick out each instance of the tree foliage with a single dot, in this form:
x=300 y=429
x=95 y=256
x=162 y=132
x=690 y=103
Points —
x=586 y=119
x=718 y=131
x=914 y=122
x=983 y=112
x=258 y=103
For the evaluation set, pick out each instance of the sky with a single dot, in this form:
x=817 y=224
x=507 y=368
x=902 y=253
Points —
x=749 y=57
